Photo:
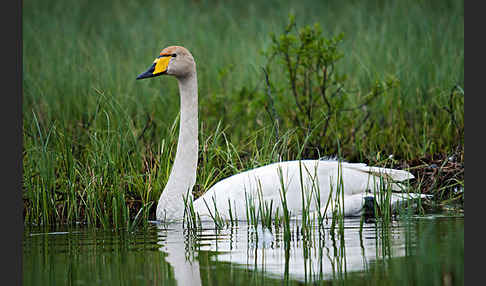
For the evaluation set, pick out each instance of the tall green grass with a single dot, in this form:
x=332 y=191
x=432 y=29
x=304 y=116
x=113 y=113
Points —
x=98 y=145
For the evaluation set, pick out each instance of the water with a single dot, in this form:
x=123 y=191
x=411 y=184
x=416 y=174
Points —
x=423 y=250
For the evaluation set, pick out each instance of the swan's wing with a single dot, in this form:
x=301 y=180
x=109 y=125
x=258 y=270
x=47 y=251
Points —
x=387 y=173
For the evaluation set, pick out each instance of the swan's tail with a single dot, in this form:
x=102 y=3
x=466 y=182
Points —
x=361 y=204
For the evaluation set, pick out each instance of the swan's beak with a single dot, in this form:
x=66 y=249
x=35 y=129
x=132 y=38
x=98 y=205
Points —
x=159 y=67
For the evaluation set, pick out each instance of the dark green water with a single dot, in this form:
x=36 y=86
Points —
x=422 y=251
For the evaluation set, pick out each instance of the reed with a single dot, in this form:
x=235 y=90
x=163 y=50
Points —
x=191 y=220
x=285 y=211
x=218 y=220
x=265 y=210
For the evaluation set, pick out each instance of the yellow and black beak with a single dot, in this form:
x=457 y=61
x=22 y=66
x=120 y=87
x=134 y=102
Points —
x=159 y=67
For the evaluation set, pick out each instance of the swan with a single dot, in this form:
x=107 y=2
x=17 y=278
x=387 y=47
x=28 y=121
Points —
x=295 y=180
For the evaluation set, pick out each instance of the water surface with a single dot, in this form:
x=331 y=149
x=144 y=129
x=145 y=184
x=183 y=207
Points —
x=404 y=252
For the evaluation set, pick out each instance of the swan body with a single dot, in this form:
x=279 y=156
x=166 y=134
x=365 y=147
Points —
x=296 y=180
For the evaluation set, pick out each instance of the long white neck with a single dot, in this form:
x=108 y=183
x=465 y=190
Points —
x=183 y=174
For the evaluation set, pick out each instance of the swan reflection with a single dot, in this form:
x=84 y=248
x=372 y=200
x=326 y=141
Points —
x=322 y=255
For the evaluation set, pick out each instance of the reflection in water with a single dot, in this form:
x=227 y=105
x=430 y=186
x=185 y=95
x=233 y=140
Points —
x=180 y=256
x=324 y=255
x=242 y=255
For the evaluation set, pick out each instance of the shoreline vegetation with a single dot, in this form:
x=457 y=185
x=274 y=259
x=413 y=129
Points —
x=377 y=82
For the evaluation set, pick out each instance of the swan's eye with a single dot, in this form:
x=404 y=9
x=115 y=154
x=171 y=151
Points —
x=173 y=55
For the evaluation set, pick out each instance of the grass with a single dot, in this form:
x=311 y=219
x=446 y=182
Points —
x=98 y=146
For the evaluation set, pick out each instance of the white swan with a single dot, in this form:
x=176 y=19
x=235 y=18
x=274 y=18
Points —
x=263 y=183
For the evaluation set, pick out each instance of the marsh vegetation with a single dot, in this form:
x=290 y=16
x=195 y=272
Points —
x=385 y=86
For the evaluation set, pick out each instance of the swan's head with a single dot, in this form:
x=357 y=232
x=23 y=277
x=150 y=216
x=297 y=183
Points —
x=173 y=60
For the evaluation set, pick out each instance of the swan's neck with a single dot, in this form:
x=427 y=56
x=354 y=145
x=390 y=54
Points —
x=183 y=174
